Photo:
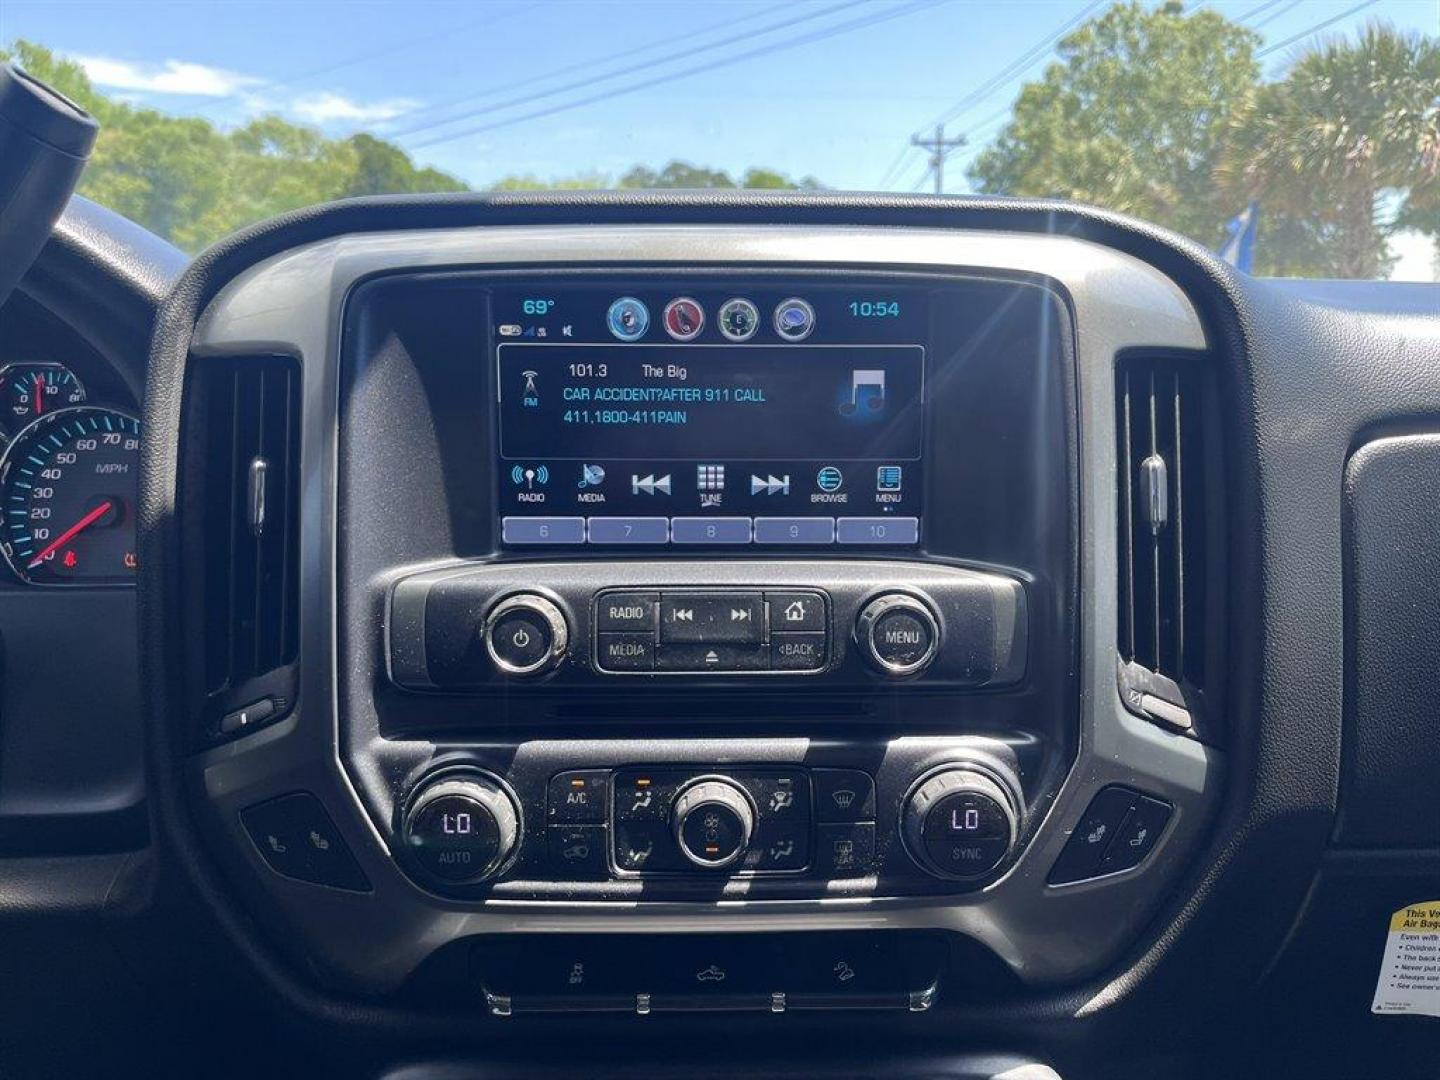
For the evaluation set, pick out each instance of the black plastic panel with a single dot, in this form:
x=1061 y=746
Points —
x=435 y=617
x=705 y=972
x=1392 y=670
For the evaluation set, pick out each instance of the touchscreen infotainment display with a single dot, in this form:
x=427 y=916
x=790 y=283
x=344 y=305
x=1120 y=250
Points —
x=710 y=412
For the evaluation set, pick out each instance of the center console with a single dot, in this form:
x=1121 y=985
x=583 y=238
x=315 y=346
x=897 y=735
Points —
x=703 y=594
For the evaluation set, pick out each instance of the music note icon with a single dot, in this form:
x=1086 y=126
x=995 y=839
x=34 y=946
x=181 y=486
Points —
x=867 y=385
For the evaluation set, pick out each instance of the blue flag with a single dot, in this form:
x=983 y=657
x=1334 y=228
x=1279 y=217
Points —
x=1239 y=246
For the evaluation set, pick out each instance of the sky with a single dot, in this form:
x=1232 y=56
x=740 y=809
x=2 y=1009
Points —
x=828 y=88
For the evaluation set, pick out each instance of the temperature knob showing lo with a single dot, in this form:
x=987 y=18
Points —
x=525 y=634
x=961 y=822
x=461 y=829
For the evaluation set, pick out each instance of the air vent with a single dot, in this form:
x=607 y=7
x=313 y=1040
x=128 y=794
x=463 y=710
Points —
x=1166 y=534
x=242 y=490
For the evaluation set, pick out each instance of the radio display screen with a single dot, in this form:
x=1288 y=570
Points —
x=710 y=412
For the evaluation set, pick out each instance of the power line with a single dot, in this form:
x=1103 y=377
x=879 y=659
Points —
x=489 y=19
x=1258 y=9
x=896 y=164
x=1026 y=60
x=1314 y=29
x=1291 y=6
x=580 y=84
x=920 y=180
x=986 y=89
x=979 y=127
x=588 y=65
x=725 y=61
x=940 y=148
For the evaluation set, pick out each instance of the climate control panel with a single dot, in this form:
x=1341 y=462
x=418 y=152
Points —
x=816 y=828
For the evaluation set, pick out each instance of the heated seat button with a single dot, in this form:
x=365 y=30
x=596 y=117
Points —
x=1092 y=836
x=626 y=652
x=1136 y=837
x=577 y=852
x=579 y=796
x=712 y=618
x=626 y=612
x=843 y=795
x=297 y=839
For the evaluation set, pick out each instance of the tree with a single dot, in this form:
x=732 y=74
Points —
x=1133 y=116
x=675 y=174
x=186 y=180
x=681 y=174
x=382 y=167
x=1349 y=122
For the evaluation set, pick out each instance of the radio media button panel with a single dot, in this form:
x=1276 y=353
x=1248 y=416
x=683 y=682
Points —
x=712 y=631
x=842 y=624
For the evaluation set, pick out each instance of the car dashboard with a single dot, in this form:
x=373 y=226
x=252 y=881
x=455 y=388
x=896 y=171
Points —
x=963 y=624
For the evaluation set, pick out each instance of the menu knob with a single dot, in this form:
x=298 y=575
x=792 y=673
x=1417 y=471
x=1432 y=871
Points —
x=898 y=634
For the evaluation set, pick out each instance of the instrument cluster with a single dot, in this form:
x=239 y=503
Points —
x=68 y=477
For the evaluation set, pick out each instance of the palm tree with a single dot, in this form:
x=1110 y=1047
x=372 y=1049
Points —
x=1350 y=122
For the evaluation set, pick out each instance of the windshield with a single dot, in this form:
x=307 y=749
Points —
x=1297 y=139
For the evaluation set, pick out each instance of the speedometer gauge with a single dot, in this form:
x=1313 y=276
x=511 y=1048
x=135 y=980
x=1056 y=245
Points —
x=68 y=485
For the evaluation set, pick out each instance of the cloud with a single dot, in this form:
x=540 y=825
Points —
x=327 y=107
x=170 y=77
x=247 y=95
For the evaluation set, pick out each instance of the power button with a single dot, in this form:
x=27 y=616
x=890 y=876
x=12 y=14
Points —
x=525 y=635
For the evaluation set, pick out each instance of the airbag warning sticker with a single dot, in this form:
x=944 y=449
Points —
x=1410 y=970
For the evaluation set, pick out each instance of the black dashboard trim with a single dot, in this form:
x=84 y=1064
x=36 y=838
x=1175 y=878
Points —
x=1287 y=813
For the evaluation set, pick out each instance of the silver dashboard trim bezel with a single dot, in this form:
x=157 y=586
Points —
x=293 y=303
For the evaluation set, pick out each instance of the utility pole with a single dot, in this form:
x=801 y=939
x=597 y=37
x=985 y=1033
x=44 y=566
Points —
x=940 y=148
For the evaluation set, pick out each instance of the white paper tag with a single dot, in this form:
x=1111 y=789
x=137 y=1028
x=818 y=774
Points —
x=1410 y=970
